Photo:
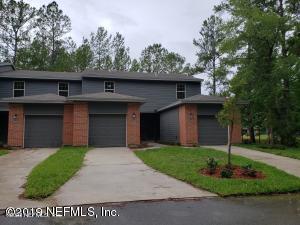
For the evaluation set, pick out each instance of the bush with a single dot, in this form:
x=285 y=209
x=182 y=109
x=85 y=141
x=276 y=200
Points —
x=249 y=171
x=211 y=165
x=226 y=173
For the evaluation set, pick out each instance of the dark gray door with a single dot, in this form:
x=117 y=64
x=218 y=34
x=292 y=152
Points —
x=43 y=131
x=210 y=132
x=107 y=130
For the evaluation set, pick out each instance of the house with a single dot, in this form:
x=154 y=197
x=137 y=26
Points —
x=101 y=108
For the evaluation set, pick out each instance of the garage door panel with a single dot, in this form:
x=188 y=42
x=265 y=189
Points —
x=210 y=132
x=43 y=131
x=107 y=130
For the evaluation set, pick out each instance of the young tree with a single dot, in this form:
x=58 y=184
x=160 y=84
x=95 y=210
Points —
x=101 y=47
x=227 y=117
x=121 y=57
x=83 y=56
x=52 y=25
x=209 y=55
x=16 y=19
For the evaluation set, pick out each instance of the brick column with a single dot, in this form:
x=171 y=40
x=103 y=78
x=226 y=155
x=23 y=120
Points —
x=188 y=125
x=16 y=126
x=68 y=125
x=237 y=130
x=133 y=125
x=80 y=124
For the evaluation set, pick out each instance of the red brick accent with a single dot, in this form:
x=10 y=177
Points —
x=133 y=125
x=237 y=131
x=80 y=124
x=16 y=126
x=188 y=125
x=68 y=125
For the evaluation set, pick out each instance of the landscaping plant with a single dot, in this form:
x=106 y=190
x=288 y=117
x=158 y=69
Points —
x=211 y=165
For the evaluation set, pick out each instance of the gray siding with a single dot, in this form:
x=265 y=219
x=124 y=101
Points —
x=104 y=108
x=37 y=87
x=43 y=109
x=157 y=94
x=209 y=109
x=3 y=107
x=169 y=126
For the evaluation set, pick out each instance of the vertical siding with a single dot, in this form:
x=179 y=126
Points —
x=209 y=109
x=157 y=94
x=169 y=126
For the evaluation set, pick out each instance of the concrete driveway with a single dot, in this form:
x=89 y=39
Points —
x=117 y=175
x=14 y=167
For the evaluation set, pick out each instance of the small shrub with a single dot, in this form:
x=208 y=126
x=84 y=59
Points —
x=226 y=173
x=211 y=165
x=249 y=171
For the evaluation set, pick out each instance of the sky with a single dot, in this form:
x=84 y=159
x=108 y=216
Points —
x=173 y=23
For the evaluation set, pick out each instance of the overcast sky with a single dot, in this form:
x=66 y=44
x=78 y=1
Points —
x=173 y=23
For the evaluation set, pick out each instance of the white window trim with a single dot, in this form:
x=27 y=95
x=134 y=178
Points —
x=114 y=90
x=18 y=89
x=181 y=91
x=63 y=90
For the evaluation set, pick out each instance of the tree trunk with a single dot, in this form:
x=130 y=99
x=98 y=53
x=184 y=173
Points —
x=230 y=127
x=214 y=76
x=15 y=48
x=252 y=134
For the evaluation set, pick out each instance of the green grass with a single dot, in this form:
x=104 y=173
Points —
x=3 y=152
x=291 y=152
x=53 y=172
x=184 y=164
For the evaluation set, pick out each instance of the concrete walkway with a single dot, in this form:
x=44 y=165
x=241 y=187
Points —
x=14 y=167
x=117 y=175
x=289 y=165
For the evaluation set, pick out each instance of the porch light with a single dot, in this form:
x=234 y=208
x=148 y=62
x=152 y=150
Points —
x=133 y=115
x=15 y=117
x=191 y=116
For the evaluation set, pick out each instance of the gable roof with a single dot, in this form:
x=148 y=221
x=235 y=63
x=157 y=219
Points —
x=43 y=99
x=105 y=97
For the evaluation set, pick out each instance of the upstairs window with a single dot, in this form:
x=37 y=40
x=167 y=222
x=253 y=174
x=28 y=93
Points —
x=180 y=91
x=109 y=86
x=19 y=89
x=63 y=89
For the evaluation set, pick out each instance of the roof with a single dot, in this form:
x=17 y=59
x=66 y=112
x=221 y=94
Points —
x=197 y=99
x=32 y=74
x=49 y=75
x=43 y=99
x=105 y=97
x=138 y=76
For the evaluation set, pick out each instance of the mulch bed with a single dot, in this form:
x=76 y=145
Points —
x=237 y=173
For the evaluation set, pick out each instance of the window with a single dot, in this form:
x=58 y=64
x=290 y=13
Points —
x=180 y=91
x=19 y=88
x=109 y=86
x=63 y=89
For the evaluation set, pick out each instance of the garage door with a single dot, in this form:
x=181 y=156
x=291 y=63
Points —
x=43 y=131
x=210 y=132
x=107 y=130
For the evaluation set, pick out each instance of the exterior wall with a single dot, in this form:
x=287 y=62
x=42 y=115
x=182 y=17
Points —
x=16 y=126
x=237 y=131
x=157 y=94
x=209 y=109
x=37 y=87
x=68 y=125
x=169 y=126
x=80 y=124
x=44 y=109
x=133 y=125
x=107 y=108
x=188 y=129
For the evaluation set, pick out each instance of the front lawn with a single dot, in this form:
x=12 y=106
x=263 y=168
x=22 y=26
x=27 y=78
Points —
x=282 y=151
x=184 y=164
x=3 y=152
x=54 y=171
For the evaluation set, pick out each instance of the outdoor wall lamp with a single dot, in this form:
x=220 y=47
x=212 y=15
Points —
x=191 y=116
x=15 y=117
x=133 y=115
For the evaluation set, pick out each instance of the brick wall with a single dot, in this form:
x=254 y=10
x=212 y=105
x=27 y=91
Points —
x=80 y=124
x=16 y=126
x=237 y=131
x=133 y=125
x=188 y=130
x=68 y=125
